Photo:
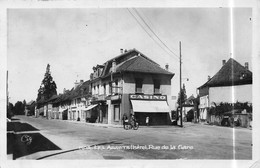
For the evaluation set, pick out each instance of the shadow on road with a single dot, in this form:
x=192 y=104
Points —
x=23 y=144
x=20 y=127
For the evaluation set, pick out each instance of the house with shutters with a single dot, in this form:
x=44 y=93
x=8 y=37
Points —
x=130 y=83
x=231 y=84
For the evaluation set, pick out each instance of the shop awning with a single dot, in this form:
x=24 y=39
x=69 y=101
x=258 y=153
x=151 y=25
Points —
x=90 y=107
x=150 y=106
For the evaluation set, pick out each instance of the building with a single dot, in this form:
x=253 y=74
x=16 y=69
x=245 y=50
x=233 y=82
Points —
x=29 y=108
x=79 y=100
x=63 y=103
x=188 y=109
x=232 y=83
x=130 y=83
x=71 y=105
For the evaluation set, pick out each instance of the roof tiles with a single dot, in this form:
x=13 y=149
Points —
x=230 y=74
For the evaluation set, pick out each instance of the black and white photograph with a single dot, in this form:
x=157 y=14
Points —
x=130 y=84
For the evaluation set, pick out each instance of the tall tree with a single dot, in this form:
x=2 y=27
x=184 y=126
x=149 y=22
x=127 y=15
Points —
x=24 y=104
x=183 y=97
x=48 y=86
x=18 y=108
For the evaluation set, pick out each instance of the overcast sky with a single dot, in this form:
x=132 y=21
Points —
x=72 y=41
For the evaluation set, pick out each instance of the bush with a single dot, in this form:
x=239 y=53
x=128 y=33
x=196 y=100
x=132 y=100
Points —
x=220 y=109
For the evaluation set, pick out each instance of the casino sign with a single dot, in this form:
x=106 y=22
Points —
x=147 y=97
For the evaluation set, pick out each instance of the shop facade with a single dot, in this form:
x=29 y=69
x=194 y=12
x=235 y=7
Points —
x=128 y=84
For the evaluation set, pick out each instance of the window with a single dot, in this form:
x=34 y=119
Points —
x=116 y=113
x=116 y=87
x=138 y=85
x=104 y=89
x=110 y=88
x=97 y=89
x=156 y=86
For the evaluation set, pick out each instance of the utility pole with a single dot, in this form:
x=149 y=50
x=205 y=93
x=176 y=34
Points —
x=7 y=93
x=180 y=87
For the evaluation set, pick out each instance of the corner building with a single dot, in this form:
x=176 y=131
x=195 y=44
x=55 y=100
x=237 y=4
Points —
x=131 y=83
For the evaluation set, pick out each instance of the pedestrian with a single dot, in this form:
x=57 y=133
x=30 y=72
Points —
x=133 y=120
x=147 y=121
x=124 y=120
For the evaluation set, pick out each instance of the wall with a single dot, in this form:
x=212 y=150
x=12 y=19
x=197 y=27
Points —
x=204 y=91
x=129 y=83
x=242 y=93
x=204 y=101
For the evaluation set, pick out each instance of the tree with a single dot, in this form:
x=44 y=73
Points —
x=48 y=86
x=18 y=108
x=32 y=109
x=24 y=104
x=196 y=107
x=183 y=97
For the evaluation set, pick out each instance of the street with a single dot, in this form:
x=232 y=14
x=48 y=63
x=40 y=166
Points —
x=57 y=139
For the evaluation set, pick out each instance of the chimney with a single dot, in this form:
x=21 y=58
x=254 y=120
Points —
x=121 y=50
x=91 y=76
x=167 y=67
x=76 y=84
x=208 y=77
x=246 y=65
x=64 y=91
x=125 y=50
x=113 y=68
x=223 y=62
x=81 y=81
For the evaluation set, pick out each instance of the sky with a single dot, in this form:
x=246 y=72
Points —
x=72 y=41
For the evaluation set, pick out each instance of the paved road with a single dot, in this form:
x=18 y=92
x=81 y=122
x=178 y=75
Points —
x=194 y=141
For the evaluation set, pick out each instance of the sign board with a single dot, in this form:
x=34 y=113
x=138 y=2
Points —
x=148 y=97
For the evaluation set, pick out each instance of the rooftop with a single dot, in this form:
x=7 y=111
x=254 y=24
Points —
x=231 y=73
x=134 y=61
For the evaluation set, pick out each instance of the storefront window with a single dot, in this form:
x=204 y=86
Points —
x=116 y=112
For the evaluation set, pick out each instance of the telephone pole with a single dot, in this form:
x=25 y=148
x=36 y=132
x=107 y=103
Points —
x=180 y=88
x=7 y=92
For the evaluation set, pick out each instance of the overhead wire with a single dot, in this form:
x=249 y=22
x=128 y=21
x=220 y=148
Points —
x=183 y=58
x=158 y=36
x=152 y=25
x=155 y=27
x=155 y=34
x=149 y=33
